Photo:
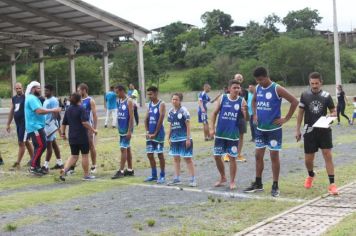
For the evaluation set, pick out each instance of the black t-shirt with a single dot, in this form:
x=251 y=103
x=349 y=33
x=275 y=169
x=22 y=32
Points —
x=19 y=109
x=341 y=97
x=315 y=105
x=74 y=116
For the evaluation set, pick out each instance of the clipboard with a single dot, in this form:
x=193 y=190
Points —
x=324 y=122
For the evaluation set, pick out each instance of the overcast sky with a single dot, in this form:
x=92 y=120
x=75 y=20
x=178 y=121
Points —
x=155 y=13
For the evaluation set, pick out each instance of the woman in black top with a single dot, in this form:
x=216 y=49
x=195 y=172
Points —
x=78 y=121
x=341 y=104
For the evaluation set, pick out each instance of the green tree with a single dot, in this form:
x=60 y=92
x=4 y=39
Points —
x=270 y=23
x=305 y=19
x=216 y=22
x=199 y=56
x=198 y=76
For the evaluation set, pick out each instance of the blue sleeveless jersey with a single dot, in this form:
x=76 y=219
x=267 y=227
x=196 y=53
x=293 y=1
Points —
x=204 y=98
x=177 y=120
x=87 y=107
x=268 y=105
x=153 y=117
x=123 y=116
x=228 y=119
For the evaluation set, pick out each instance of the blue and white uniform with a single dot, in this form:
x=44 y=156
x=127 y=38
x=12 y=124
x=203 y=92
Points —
x=155 y=145
x=227 y=129
x=354 y=114
x=268 y=105
x=204 y=99
x=50 y=103
x=87 y=106
x=123 y=120
x=178 y=138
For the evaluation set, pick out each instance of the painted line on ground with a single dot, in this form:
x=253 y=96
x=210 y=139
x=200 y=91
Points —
x=224 y=194
x=269 y=220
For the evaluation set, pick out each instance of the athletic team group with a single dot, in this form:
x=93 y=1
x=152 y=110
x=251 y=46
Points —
x=39 y=119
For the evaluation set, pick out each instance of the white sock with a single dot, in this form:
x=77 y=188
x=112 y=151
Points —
x=59 y=162
x=129 y=169
x=46 y=164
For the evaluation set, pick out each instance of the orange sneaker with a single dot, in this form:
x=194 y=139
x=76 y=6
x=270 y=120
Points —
x=332 y=189
x=226 y=158
x=241 y=158
x=308 y=182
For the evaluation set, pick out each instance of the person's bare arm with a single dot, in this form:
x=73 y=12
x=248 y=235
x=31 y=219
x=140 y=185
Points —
x=300 y=116
x=244 y=109
x=131 y=113
x=200 y=102
x=169 y=133
x=87 y=125
x=216 y=98
x=333 y=112
x=63 y=131
x=10 y=117
x=254 y=108
x=283 y=93
x=42 y=111
x=146 y=121
x=162 y=113
x=93 y=110
x=213 y=118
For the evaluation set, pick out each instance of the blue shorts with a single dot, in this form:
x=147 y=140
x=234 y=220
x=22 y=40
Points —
x=271 y=139
x=354 y=115
x=154 y=146
x=21 y=133
x=225 y=146
x=202 y=117
x=52 y=137
x=124 y=142
x=179 y=149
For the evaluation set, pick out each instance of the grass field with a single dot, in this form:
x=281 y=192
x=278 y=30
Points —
x=174 y=82
x=345 y=228
x=213 y=216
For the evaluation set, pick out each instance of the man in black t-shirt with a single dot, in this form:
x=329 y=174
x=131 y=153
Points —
x=17 y=113
x=314 y=103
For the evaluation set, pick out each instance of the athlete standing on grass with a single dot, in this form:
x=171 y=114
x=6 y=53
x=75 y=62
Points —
x=89 y=105
x=125 y=120
x=35 y=123
x=266 y=104
x=229 y=109
x=76 y=118
x=17 y=112
x=49 y=103
x=111 y=108
x=180 y=140
x=155 y=134
x=315 y=103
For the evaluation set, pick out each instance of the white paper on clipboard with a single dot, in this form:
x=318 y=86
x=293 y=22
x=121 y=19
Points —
x=324 y=122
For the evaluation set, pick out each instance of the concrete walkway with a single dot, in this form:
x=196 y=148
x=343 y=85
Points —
x=312 y=218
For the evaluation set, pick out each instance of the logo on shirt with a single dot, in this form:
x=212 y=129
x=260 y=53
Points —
x=180 y=116
x=234 y=149
x=274 y=143
x=268 y=95
x=155 y=110
x=315 y=107
x=123 y=107
x=237 y=107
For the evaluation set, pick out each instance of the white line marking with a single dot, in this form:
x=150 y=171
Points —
x=224 y=194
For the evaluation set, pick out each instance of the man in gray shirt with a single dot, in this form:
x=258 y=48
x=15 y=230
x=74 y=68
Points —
x=315 y=103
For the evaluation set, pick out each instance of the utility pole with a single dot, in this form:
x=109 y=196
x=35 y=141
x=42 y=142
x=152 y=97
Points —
x=336 y=48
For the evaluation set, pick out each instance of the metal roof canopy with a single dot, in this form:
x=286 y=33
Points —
x=40 y=23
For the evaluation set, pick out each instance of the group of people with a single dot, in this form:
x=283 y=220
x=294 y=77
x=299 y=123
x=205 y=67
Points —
x=260 y=105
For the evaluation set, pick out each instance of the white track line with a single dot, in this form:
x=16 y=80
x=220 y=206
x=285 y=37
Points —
x=224 y=194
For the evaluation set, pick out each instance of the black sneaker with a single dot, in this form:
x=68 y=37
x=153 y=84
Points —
x=129 y=173
x=57 y=167
x=35 y=171
x=254 y=188
x=105 y=126
x=1 y=161
x=44 y=170
x=119 y=174
x=275 y=191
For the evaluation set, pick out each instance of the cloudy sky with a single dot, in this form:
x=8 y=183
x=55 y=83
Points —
x=155 y=13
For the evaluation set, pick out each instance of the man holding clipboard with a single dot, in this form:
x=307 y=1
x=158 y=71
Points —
x=313 y=107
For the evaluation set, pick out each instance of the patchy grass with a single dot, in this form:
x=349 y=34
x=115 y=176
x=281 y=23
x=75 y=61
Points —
x=175 y=82
x=27 y=220
x=346 y=227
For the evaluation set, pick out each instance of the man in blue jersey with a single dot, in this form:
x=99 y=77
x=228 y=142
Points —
x=90 y=107
x=35 y=124
x=266 y=104
x=229 y=110
x=110 y=106
x=17 y=112
x=125 y=117
x=51 y=119
x=203 y=99
x=155 y=134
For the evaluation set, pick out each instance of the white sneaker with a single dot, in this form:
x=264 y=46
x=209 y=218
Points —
x=93 y=170
x=192 y=183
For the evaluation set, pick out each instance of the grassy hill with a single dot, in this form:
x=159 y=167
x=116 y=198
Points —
x=174 y=82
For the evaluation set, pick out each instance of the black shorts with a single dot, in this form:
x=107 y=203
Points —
x=317 y=138
x=76 y=148
x=21 y=133
x=242 y=125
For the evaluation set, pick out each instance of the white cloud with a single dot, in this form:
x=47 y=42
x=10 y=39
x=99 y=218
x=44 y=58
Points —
x=155 y=13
